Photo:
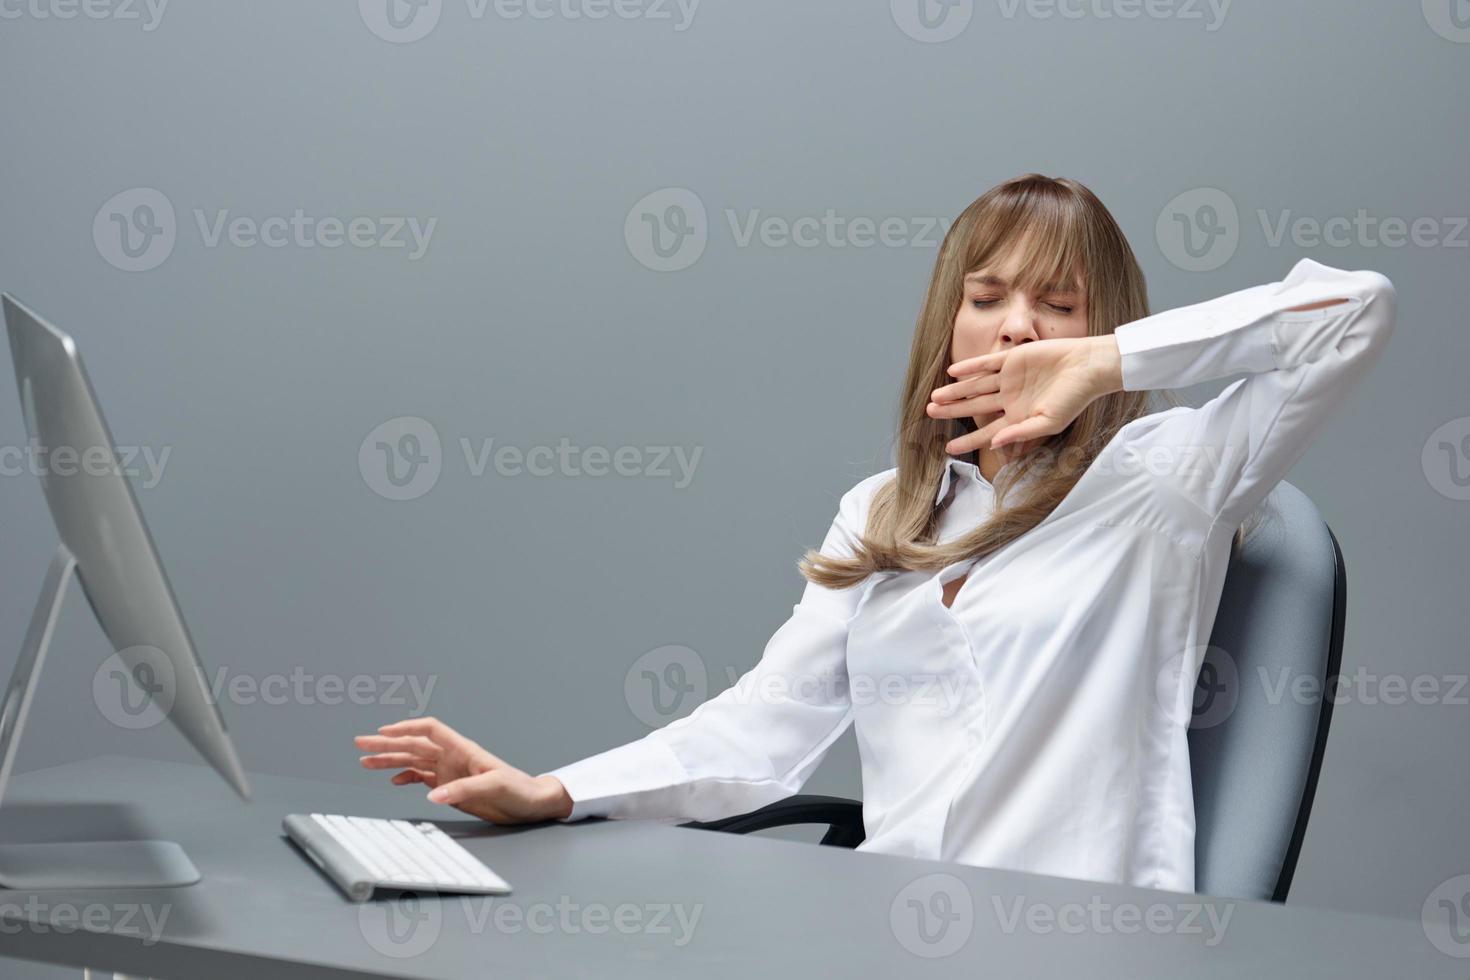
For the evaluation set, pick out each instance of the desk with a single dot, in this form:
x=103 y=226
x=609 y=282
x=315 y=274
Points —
x=605 y=899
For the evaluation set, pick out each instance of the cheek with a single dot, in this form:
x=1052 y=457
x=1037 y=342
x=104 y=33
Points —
x=973 y=335
x=1075 y=326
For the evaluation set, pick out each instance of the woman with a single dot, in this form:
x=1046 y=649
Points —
x=1013 y=618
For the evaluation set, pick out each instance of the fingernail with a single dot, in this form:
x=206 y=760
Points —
x=437 y=795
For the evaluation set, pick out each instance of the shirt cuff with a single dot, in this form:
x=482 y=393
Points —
x=601 y=785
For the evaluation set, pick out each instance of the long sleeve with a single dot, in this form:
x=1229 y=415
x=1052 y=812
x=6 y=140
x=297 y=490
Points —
x=759 y=740
x=1227 y=455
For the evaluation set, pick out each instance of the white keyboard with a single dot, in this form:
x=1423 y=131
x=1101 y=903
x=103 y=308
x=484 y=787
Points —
x=362 y=854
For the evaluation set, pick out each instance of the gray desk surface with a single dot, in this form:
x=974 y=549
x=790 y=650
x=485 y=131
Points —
x=621 y=899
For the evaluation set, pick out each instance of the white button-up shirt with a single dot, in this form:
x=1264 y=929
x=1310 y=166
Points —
x=1039 y=723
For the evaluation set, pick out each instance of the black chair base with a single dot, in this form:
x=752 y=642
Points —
x=844 y=819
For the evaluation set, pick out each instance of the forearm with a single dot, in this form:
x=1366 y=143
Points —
x=1316 y=317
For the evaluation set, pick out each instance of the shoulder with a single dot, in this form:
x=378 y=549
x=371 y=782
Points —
x=857 y=501
x=862 y=493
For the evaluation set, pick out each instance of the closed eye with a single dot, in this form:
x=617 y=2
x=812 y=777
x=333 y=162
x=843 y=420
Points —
x=985 y=304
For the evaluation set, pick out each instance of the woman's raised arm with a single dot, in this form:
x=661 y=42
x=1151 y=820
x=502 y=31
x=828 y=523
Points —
x=1304 y=343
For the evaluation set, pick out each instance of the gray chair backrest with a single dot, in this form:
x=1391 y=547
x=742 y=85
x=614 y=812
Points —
x=1256 y=743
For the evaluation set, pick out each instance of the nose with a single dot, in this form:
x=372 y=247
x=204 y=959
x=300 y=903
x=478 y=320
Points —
x=1018 y=329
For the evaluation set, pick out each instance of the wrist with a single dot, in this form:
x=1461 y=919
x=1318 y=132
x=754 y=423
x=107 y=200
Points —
x=558 y=801
x=1105 y=365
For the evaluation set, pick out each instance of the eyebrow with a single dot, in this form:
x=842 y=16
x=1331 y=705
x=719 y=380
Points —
x=993 y=280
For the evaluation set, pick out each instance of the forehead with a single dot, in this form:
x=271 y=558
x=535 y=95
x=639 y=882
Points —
x=1003 y=277
x=1028 y=263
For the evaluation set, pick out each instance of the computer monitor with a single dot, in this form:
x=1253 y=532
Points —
x=105 y=540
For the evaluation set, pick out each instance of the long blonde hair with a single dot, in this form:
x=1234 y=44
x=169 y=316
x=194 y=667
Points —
x=1062 y=230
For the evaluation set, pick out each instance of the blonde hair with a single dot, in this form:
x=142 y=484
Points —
x=1063 y=232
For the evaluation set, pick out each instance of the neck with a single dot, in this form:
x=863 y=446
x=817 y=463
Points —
x=989 y=461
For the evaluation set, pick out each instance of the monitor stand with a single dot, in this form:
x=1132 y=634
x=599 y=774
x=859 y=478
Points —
x=94 y=864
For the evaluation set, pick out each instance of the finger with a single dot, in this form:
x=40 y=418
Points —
x=416 y=744
x=396 y=760
x=408 y=776
x=414 y=726
x=1034 y=428
x=431 y=728
x=979 y=439
x=974 y=365
x=966 y=408
x=966 y=388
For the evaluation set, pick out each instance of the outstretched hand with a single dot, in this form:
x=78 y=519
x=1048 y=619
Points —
x=462 y=774
x=1022 y=395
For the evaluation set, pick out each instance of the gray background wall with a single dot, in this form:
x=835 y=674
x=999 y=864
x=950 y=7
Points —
x=527 y=600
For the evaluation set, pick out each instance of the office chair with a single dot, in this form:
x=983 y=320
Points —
x=1254 y=765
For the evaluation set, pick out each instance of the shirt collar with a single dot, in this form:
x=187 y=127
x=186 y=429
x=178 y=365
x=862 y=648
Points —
x=964 y=471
